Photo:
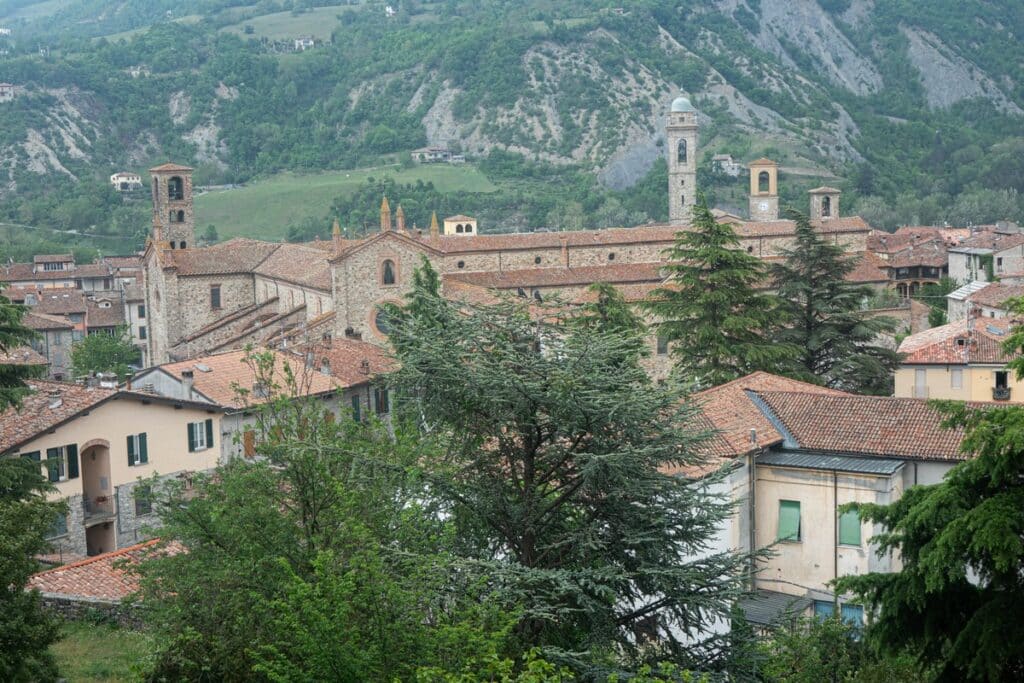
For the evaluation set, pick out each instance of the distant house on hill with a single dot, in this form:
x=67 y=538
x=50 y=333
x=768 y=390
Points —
x=431 y=155
x=6 y=92
x=126 y=182
x=304 y=43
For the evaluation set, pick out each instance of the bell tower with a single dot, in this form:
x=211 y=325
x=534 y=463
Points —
x=824 y=203
x=681 y=137
x=764 y=190
x=173 y=212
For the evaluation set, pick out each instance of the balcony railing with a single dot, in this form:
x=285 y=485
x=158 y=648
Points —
x=920 y=392
x=98 y=509
x=1000 y=393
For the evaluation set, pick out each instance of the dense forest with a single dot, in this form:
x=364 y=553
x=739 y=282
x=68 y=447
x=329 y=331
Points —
x=914 y=111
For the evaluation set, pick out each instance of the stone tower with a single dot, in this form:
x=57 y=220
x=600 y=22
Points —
x=681 y=138
x=764 y=190
x=173 y=212
x=824 y=203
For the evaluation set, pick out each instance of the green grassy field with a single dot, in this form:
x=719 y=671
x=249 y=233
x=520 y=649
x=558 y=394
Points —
x=125 y=35
x=264 y=208
x=318 y=22
x=90 y=652
x=38 y=10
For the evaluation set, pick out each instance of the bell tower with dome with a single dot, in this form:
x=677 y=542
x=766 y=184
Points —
x=681 y=138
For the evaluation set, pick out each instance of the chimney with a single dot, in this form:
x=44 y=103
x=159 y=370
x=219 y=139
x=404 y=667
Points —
x=565 y=251
x=186 y=383
x=56 y=400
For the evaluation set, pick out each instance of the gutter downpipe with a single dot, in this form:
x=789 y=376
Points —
x=835 y=536
x=752 y=511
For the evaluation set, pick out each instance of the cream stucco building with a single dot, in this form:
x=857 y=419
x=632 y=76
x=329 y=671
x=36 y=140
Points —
x=95 y=444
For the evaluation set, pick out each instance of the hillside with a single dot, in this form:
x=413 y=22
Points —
x=908 y=106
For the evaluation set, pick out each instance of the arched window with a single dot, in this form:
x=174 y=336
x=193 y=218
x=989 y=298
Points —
x=469 y=227
x=181 y=245
x=387 y=274
x=536 y=259
x=175 y=188
x=681 y=152
x=459 y=228
x=826 y=207
x=172 y=244
x=763 y=184
x=181 y=217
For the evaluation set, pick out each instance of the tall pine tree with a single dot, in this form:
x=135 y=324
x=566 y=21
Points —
x=717 y=323
x=838 y=340
x=555 y=470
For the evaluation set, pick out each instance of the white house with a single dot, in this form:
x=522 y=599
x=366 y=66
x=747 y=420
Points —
x=126 y=182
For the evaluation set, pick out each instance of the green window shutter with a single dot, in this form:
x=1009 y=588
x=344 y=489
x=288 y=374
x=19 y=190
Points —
x=849 y=528
x=34 y=455
x=143 y=451
x=131 y=450
x=355 y=408
x=789 y=520
x=52 y=454
x=191 y=437
x=209 y=433
x=72 y=450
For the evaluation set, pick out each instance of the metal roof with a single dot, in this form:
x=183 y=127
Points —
x=769 y=607
x=842 y=463
x=965 y=291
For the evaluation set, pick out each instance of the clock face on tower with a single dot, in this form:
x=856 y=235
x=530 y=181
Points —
x=763 y=206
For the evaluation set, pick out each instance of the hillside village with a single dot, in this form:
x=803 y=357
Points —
x=789 y=455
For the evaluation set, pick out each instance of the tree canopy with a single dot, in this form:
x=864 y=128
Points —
x=104 y=353
x=13 y=334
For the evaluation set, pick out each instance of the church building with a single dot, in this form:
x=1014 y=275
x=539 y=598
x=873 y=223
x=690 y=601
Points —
x=207 y=299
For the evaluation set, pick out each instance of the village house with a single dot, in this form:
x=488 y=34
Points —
x=963 y=360
x=54 y=337
x=6 y=92
x=793 y=454
x=984 y=299
x=58 y=271
x=95 y=443
x=986 y=256
x=339 y=375
x=124 y=181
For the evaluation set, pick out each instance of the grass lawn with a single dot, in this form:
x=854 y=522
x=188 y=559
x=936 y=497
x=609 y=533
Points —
x=318 y=22
x=91 y=652
x=38 y=10
x=125 y=35
x=264 y=208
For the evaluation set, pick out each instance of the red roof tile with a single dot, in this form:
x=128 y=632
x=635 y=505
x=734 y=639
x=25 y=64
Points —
x=870 y=268
x=36 y=415
x=238 y=255
x=42 y=322
x=300 y=264
x=995 y=294
x=99 y=577
x=346 y=361
x=163 y=168
x=976 y=340
x=867 y=425
x=22 y=355
x=563 y=277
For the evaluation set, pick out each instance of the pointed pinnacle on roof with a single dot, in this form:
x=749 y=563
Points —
x=336 y=229
x=384 y=206
x=434 y=228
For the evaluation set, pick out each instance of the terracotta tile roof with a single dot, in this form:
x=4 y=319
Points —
x=216 y=376
x=134 y=293
x=630 y=292
x=345 y=360
x=60 y=301
x=995 y=294
x=870 y=268
x=866 y=425
x=459 y=217
x=111 y=316
x=300 y=264
x=35 y=414
x=931 y=253
x=996 y=241
x=238 y=255
x=131 y=261
x=561 y=276
x=463 y=292
x=41 y=322
x=53 y=258
x=887 y=242
x=22 y=355
x=729 y=410
x=162 y=168
x=99 y=577
x=824 y=189
x=977 y=340
x=23 y=272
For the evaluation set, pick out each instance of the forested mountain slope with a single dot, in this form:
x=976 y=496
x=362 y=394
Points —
x=910 y=104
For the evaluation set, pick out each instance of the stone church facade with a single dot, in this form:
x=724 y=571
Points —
x=207 y=299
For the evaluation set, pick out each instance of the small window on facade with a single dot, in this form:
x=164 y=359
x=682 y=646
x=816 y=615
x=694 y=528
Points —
x=142 y=332
x=763 y=182
x=214 y=296
x=662 y=345
x=682 y=199
x=999 y=263
x=381 y=401
x=459 y=228
x=826 y=206
x=789 y=520
x=142 y=311
x=681 y=152
x=356 y=408
x=536 y=259
x=1002 y=377
x=62 y=462
x=849 y=528
x=956 y=378
x=461 y=264
x=750 y=250
x=138 y=453
x=200 y=435
x=611 y=255
x=143 y=495
x=387 y=276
